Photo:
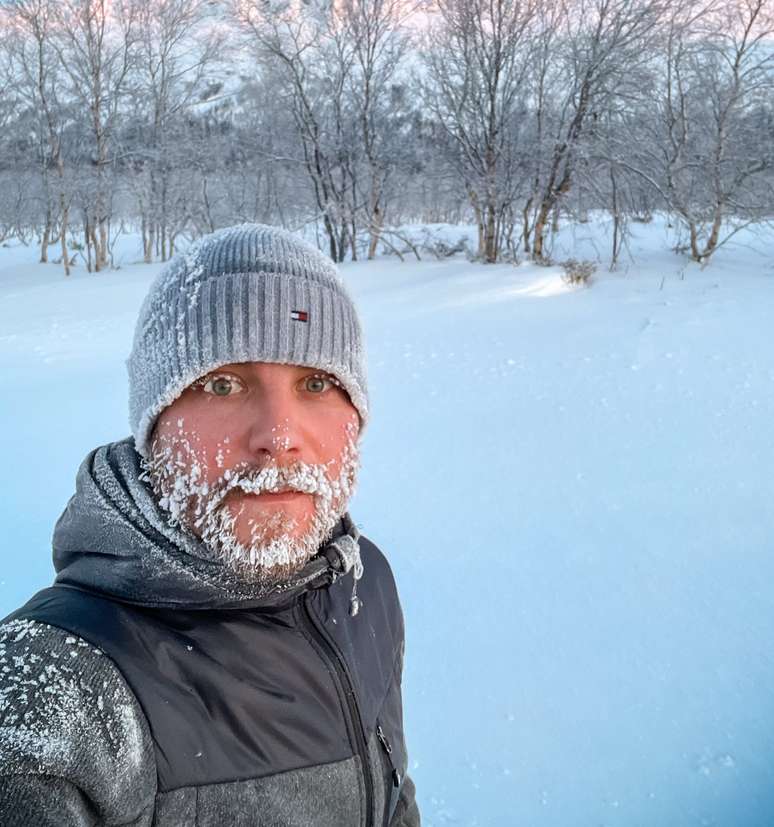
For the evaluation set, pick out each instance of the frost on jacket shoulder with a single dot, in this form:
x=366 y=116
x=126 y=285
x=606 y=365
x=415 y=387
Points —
x=74 y=745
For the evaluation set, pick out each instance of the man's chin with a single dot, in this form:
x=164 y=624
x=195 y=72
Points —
x=271 y=550
x=269 y=576
x=280 y=540
x=274 y=561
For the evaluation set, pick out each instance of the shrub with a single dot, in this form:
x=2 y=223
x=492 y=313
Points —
x=442 y=248
x=578 y=272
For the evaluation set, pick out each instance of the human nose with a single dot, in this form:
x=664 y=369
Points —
x=274 y=432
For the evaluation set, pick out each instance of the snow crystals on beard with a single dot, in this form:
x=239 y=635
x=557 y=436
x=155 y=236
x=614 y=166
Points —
x=177 y=474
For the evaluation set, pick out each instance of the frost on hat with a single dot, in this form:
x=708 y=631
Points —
x=249 y=293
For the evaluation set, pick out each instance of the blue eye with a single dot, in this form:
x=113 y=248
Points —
x=222 y=385
x=317 y=384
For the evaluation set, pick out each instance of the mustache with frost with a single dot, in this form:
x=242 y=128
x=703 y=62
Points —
x=302 y=477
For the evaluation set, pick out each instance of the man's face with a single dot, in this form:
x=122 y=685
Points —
x=259 y=461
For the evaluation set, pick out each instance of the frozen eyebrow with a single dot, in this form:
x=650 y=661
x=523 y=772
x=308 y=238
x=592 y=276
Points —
x=234 y=378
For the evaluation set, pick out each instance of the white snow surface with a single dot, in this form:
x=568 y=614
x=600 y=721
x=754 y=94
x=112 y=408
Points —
x=574 y=488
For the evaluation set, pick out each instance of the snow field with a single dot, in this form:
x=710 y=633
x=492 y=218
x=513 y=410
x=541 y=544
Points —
x=574 y=489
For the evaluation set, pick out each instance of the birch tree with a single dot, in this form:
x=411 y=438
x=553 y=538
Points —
x=477 y=58
x=376 y=28
x=35 y=68
x=306 y=52
x=601 y=46
x=175 y=49
x=95 y=42
x=705 y=144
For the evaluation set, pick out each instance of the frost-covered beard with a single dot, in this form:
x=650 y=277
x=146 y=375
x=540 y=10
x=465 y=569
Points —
x=177 y=474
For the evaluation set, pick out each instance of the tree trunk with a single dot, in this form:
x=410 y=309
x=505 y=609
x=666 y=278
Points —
x=353 y=238
x=45 y=238
x=64 y=212
x=87 y=240
x=377 y=218
x=343 y=235
x=99 y=231
x=93 y=233
x=147 y=240
x=538 y=231
x=479 y=223
x=616 y=220
x=694 y=235
x=65 y=255
x=331 y=233
x=164 y=216
x=490 y=235
x=103 y=243
x=526 y=229
x=703 y=255
x=714 y=236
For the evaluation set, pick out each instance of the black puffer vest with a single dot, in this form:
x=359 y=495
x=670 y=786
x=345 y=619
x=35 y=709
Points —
x=239 y=696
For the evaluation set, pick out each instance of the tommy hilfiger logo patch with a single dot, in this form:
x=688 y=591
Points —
x=299 y=315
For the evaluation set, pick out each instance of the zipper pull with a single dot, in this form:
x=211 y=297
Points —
x=396 y=779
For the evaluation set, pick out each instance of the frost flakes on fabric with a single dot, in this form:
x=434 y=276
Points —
x=37 y=661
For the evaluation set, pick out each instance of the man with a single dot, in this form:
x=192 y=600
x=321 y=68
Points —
x=220 y=646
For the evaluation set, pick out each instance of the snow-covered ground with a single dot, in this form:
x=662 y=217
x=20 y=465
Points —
x=574 y=487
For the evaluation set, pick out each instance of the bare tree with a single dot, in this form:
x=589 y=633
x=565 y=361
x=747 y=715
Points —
x=95 y=41
x=175 y=48
x=38 y=75
x=542 y=81
x=380 y=43
x=507 y=113
x=706 y=144
x=477 y=57
x=307 y=53
x=600 y=46
x=18 y=180
x=604 y=43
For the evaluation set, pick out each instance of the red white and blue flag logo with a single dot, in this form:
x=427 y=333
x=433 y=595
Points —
x=299 y=315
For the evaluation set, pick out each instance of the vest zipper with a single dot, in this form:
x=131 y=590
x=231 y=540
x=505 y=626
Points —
x=388 y=749
x=395 y=773
x=354 y=711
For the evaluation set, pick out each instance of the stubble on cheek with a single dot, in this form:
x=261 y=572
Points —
x=177 y=472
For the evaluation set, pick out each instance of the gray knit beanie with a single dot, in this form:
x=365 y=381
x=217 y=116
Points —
x=249 y=293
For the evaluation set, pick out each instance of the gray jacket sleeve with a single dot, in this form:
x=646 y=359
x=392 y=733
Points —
x=406 y=811
x=75 y=749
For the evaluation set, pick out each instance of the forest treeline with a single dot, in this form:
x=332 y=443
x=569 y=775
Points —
x=354 y=118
